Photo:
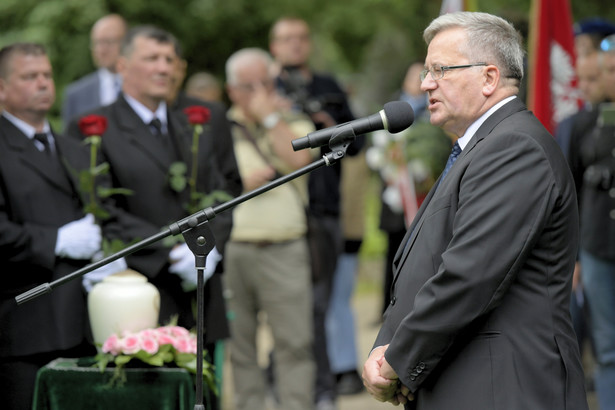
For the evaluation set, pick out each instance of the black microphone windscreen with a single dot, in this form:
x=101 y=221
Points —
x=399 y=115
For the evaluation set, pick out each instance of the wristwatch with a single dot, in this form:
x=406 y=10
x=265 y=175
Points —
x=271 y=120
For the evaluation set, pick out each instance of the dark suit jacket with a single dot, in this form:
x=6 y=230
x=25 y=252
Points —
x=590 y=154
x=479 y=313
x=139 y=161
x=37 y=196
x=81 y=96
x=220 y=133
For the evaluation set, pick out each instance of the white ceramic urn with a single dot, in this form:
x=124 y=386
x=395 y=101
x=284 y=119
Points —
x=124 y=301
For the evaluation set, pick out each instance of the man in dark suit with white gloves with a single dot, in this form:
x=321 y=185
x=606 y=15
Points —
x=44 y=234
x=140 y=156
x=479 y=317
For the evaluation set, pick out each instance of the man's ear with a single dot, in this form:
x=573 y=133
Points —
x=2 y=91
x=491 y=79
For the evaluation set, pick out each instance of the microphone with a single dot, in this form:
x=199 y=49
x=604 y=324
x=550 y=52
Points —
x=395 y=117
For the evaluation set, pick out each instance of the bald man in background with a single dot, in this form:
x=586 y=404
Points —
x=102 y=86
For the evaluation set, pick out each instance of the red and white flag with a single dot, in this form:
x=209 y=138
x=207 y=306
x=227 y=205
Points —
x=552 y=83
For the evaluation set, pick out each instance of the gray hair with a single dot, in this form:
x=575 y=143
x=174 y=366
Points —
x=152 y=32
x=245 y=56
x=490 y=39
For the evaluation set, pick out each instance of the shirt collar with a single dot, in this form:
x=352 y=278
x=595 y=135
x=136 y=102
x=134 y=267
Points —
x=145 y=113
x=24 y=127
x=463 y=141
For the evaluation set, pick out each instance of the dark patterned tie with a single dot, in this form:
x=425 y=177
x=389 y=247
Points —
x=42 y=138
x=451 y=159
x=155 y=126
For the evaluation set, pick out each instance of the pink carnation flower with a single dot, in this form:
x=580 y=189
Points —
x=149 y=344
x=178 y=331
x=163 y=337
x=112 y=345
x=183 y=345
x=131 y=344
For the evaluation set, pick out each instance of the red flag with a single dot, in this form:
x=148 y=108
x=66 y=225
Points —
x=552 y=86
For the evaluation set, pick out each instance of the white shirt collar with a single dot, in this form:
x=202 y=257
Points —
x=463 y=141
x=24 y=127
x=29 y=130
x=146 y=114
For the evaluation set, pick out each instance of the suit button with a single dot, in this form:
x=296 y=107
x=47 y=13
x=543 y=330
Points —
x=412 y=378
x=422 y=365
x=393 y=299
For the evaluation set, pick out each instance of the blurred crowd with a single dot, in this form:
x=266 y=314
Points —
x=290 y=254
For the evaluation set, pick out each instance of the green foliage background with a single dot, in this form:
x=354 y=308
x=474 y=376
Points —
x=367 y=43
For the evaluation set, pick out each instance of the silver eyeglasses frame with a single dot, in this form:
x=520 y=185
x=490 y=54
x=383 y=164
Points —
x=437 y=71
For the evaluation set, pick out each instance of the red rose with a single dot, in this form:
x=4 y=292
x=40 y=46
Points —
x=197 y=114
x=93 y=125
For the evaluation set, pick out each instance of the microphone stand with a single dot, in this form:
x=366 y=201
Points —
x=200 y=239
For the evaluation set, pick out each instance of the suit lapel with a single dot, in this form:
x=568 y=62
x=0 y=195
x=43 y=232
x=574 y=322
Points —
x=48 y=167
x=138 y=135
x=180 y=133
x=485 y=129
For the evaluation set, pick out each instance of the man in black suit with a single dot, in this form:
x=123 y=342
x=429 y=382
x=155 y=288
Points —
x=479 y=317
x=44 y=234
x=140 y=155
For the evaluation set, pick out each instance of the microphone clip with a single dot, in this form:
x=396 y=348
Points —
x=338 y=144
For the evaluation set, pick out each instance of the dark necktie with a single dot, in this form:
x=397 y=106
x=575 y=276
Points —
x=42 y=138
x=155 y=126
x=451 y=159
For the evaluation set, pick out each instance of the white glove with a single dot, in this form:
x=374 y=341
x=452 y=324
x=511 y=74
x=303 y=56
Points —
x=79 y=239
x=92 y=278
x=183 y=265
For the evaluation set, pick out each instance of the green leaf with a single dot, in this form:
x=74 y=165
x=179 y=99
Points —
x=105 y=192
x=178 y=168
x=178 y=183
x=121 y=360
x=101 y=169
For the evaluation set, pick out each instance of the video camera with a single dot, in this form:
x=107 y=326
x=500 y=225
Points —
x=294 y=87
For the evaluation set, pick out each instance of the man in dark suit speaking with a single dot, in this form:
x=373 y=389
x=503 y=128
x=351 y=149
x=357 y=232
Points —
x=479 y=317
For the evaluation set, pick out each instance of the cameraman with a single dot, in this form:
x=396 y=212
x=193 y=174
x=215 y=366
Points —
x=591 y=157
x=320 y=97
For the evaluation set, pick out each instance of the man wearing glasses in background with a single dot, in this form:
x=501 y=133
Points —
x=479 y=317
x=103 y=85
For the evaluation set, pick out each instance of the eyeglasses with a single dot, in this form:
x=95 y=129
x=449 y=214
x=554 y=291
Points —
x=105 y=42
x=437 y=71
x=250 y=87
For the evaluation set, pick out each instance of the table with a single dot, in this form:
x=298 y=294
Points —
x=66 y=384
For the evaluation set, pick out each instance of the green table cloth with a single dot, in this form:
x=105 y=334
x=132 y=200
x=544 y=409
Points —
x=66 y=384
